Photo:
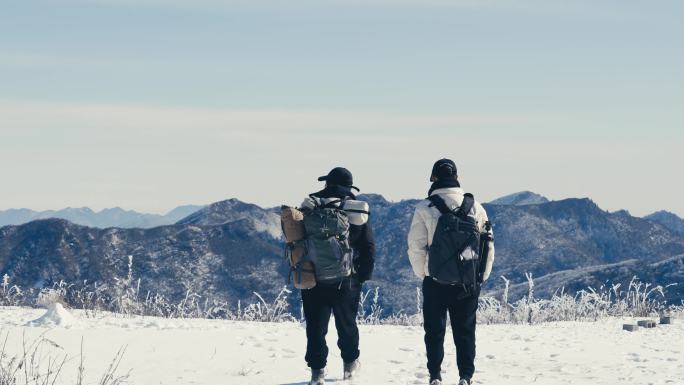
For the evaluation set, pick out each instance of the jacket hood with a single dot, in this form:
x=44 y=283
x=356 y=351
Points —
x=453 y=196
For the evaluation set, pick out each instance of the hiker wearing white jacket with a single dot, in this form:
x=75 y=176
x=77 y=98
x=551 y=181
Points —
x=423 y=229
x=440 y=297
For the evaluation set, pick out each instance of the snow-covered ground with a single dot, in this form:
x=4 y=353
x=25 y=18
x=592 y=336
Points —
x=213 y=352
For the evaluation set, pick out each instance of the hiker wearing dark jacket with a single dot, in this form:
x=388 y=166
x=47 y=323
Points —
x=440 y=298
x=341 y=296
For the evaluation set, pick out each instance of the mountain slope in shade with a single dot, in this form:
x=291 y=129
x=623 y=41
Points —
x=520 y=199
x=111 y=217
x=574 y=233
x=664 y=272
x=225 y=261
x=670 y=220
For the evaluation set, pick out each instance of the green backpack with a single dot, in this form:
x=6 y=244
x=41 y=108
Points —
x=327 y=241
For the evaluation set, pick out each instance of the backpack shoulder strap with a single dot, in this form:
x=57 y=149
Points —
x=315 y=200
x=438 y=202
x=333 y=204
x=320 y=204
x=468 y=203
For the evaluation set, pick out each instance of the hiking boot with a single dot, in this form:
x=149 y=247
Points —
x=465 y=381
x=436 y=381
x=317 y=377
x=351 y=368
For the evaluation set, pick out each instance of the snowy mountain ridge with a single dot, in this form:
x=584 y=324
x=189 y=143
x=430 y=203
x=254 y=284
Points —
x=231 y=210
x=520 y=199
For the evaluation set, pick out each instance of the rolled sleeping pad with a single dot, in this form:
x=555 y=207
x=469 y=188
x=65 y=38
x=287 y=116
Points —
x=294 y=231
x=357 y=211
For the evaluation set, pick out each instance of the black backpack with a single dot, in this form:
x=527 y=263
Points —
x=327 y=241
x=454 y=255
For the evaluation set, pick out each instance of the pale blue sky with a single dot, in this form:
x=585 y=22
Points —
x=148 y=104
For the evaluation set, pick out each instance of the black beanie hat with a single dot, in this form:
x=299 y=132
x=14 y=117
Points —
x=444 y=169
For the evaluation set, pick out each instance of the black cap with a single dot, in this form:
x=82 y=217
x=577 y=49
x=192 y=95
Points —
x=444 y=169
x=339 y=176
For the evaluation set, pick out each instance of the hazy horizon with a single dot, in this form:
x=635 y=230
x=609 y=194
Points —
x=164 y=212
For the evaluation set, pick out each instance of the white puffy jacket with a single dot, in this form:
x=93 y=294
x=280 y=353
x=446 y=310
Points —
x=425 y=222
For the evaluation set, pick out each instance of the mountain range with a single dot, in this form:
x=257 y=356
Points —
x=230 y=249
x=112 y=217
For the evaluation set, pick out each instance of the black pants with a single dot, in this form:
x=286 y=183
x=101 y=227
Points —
x=439 y=299
x=343 y=301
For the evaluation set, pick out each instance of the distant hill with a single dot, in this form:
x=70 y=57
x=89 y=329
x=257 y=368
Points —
x=232 y=210
x=670 y=220
x=112 y=217
x=520 y=199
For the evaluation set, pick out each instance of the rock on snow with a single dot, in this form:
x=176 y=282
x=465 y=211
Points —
x=56 y=316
